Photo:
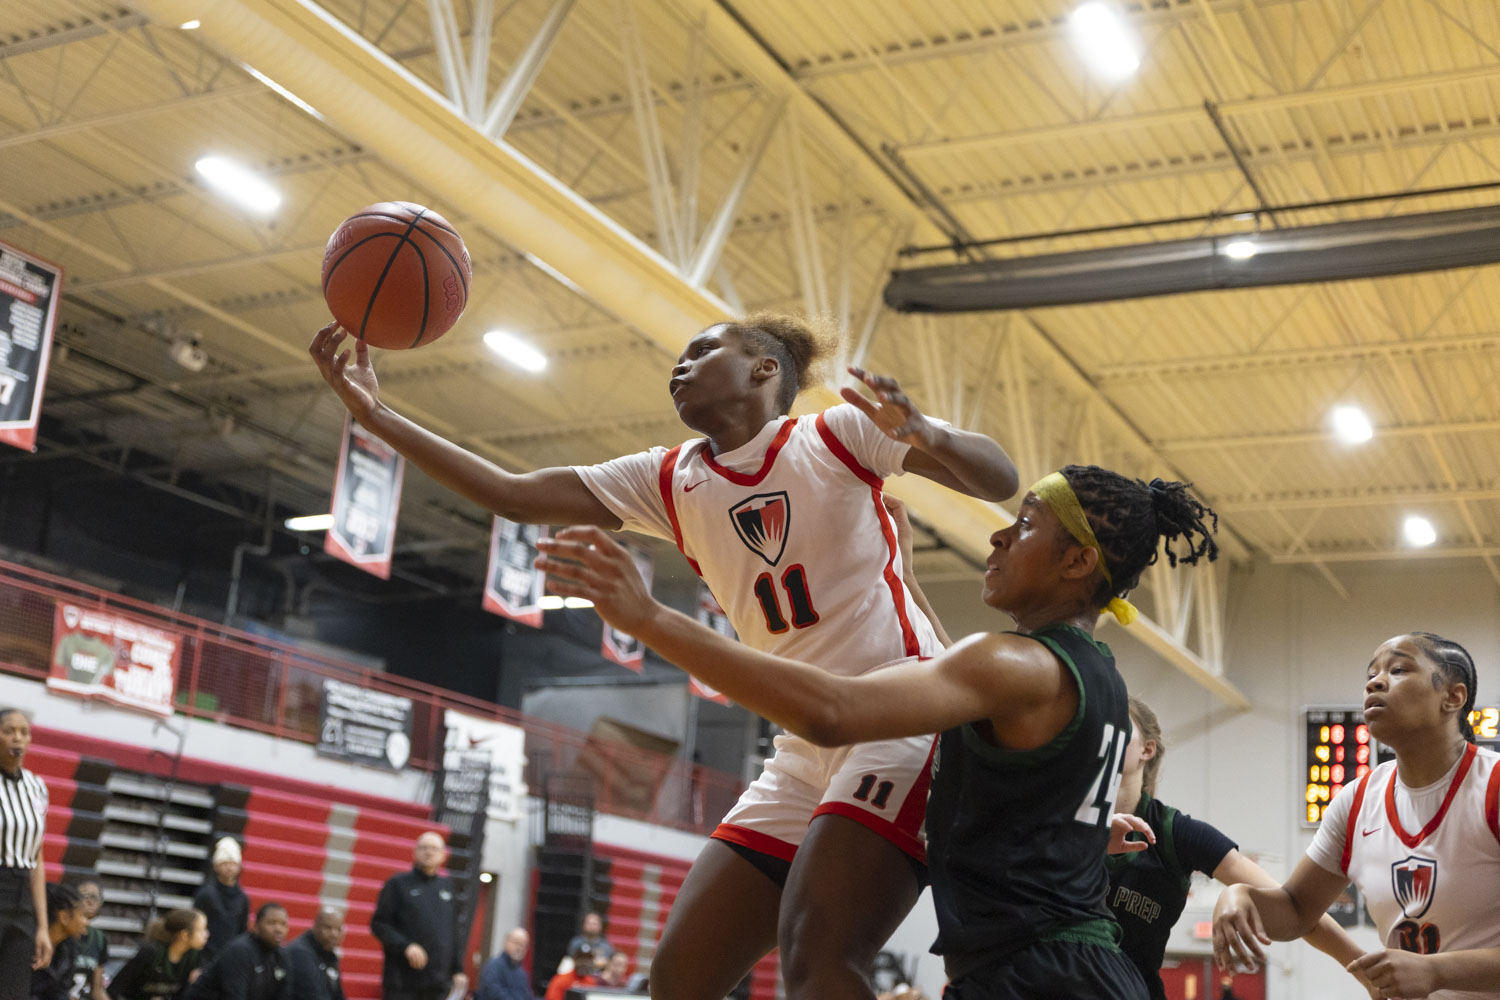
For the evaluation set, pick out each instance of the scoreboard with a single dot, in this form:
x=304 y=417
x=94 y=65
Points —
x=1340 y=751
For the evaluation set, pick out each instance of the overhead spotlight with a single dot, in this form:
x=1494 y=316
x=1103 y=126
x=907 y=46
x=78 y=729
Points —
x=486 y=877
x=1351 y=425
x=188 y=353
x=239 y=183
x=309 y=522
x=578 y=602
x=189 y=25
x=1240 y=249
x=1418 y=531
x=1101 y=37
x=515 y=351
x=550 y=602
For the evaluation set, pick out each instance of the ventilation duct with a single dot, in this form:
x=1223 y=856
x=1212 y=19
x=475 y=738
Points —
x=1339 y=251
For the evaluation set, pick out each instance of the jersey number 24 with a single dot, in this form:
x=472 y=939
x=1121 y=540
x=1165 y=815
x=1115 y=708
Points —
x=1099 y=803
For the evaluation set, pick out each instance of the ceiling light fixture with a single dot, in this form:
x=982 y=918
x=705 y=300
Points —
x=309 y=522
x=1418 y=531
x=516 y=351
x=550 y=602
x=1240 y=249
x=1351 y=425
x=281 y=90
x=1101 y=37
x=189 y=25
x=239 y=183
x=577 y=602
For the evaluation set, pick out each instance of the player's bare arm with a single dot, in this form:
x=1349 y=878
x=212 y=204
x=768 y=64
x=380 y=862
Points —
x=1247 y=918
x=960 y=460
x=546 y=496
x=1015 y=682
x=1327 y=936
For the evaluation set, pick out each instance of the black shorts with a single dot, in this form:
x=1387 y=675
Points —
x=1053 y=970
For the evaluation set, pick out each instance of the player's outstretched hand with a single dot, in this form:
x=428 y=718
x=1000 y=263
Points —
x=1122 y=825
x=355 y=383
x=891 y=410
x=586 y=562
x=1394 y=973
x=1239 y=935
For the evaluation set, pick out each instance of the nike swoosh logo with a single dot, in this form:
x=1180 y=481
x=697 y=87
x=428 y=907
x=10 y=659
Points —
x=1366 y=833
x=689 y=489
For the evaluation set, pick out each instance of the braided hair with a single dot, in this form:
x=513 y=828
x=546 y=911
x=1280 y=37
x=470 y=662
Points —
x=1129 y=516
x=1454 y=666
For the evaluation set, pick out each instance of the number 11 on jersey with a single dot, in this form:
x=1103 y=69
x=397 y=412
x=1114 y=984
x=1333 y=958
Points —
x=1099 y=804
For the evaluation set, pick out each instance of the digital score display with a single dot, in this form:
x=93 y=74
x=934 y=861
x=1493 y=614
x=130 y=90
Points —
x=1340 y=751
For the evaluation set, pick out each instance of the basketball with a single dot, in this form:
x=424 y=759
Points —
x=396 y=275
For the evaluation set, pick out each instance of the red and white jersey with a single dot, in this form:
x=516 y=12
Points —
x=788 y=531
x=1426 y=860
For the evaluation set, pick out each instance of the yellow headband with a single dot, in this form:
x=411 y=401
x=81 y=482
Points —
x=1053 y=489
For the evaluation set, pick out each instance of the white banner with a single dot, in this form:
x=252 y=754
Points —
x=503 y=748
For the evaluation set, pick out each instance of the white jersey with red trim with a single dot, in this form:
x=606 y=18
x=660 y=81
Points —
x=1426 y=860
x=788 y=531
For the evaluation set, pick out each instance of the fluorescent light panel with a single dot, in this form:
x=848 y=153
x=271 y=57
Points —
x=1102 y=39
x=281 y=90
x=1418 y=531
x=1240 y=249
x=515 y=351
x=1351 y=425
x=239 y=184
x=309 y=522
x=189 y=25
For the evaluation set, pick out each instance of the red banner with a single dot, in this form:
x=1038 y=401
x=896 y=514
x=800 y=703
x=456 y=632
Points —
x=366 y=498
x=620 y=647
x=710 y=614
x=100 y=654
x=29 y=292
x=513 y=587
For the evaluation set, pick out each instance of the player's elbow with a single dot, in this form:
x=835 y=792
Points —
x=824 y=725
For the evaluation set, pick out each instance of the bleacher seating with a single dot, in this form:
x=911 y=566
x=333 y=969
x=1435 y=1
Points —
x=305 y=845
x=634 y=891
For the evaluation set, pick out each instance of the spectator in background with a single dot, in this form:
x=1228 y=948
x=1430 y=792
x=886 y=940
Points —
x=252 y=966
x=24 y=942
x=580 y=973
x=592 y=935
x=416 y=922
x=93 y=947
x=222 y=900
x=66 y=923
x=504 y=977
x=167 y=960
x=314 y=961
x=616 y=971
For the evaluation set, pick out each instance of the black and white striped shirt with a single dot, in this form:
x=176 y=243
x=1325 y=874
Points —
x=23 y=818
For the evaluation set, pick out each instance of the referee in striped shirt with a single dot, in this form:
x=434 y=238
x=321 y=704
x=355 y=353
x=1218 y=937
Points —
x=24 y=943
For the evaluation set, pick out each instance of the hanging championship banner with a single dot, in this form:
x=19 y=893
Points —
x=473 y=747
x=711 y=615
x=512 y=585
x=619 y=647
x=29 y=291
x=363 y=726
x=366 y=497
x=99 y=654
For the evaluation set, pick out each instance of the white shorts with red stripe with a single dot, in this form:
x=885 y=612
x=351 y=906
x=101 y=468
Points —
x=882 y=785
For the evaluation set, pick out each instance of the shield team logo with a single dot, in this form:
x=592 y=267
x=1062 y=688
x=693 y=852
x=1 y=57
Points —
x=1414 y=881
x=762 y=523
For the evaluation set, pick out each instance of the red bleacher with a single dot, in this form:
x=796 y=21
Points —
x=642 y=888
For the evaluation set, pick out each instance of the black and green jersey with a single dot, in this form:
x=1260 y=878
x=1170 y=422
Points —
x=1148 y=889
x=1016 y=838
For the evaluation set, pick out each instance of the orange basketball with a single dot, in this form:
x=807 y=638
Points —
x=396 y=275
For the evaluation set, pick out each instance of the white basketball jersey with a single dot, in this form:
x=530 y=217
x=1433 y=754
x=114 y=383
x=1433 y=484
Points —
x=798 y=548
x=1433 y=887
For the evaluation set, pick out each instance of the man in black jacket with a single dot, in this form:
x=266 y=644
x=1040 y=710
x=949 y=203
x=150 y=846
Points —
x=416 y=922
x=222 y=900
x=252 y=966
x=314 y=961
